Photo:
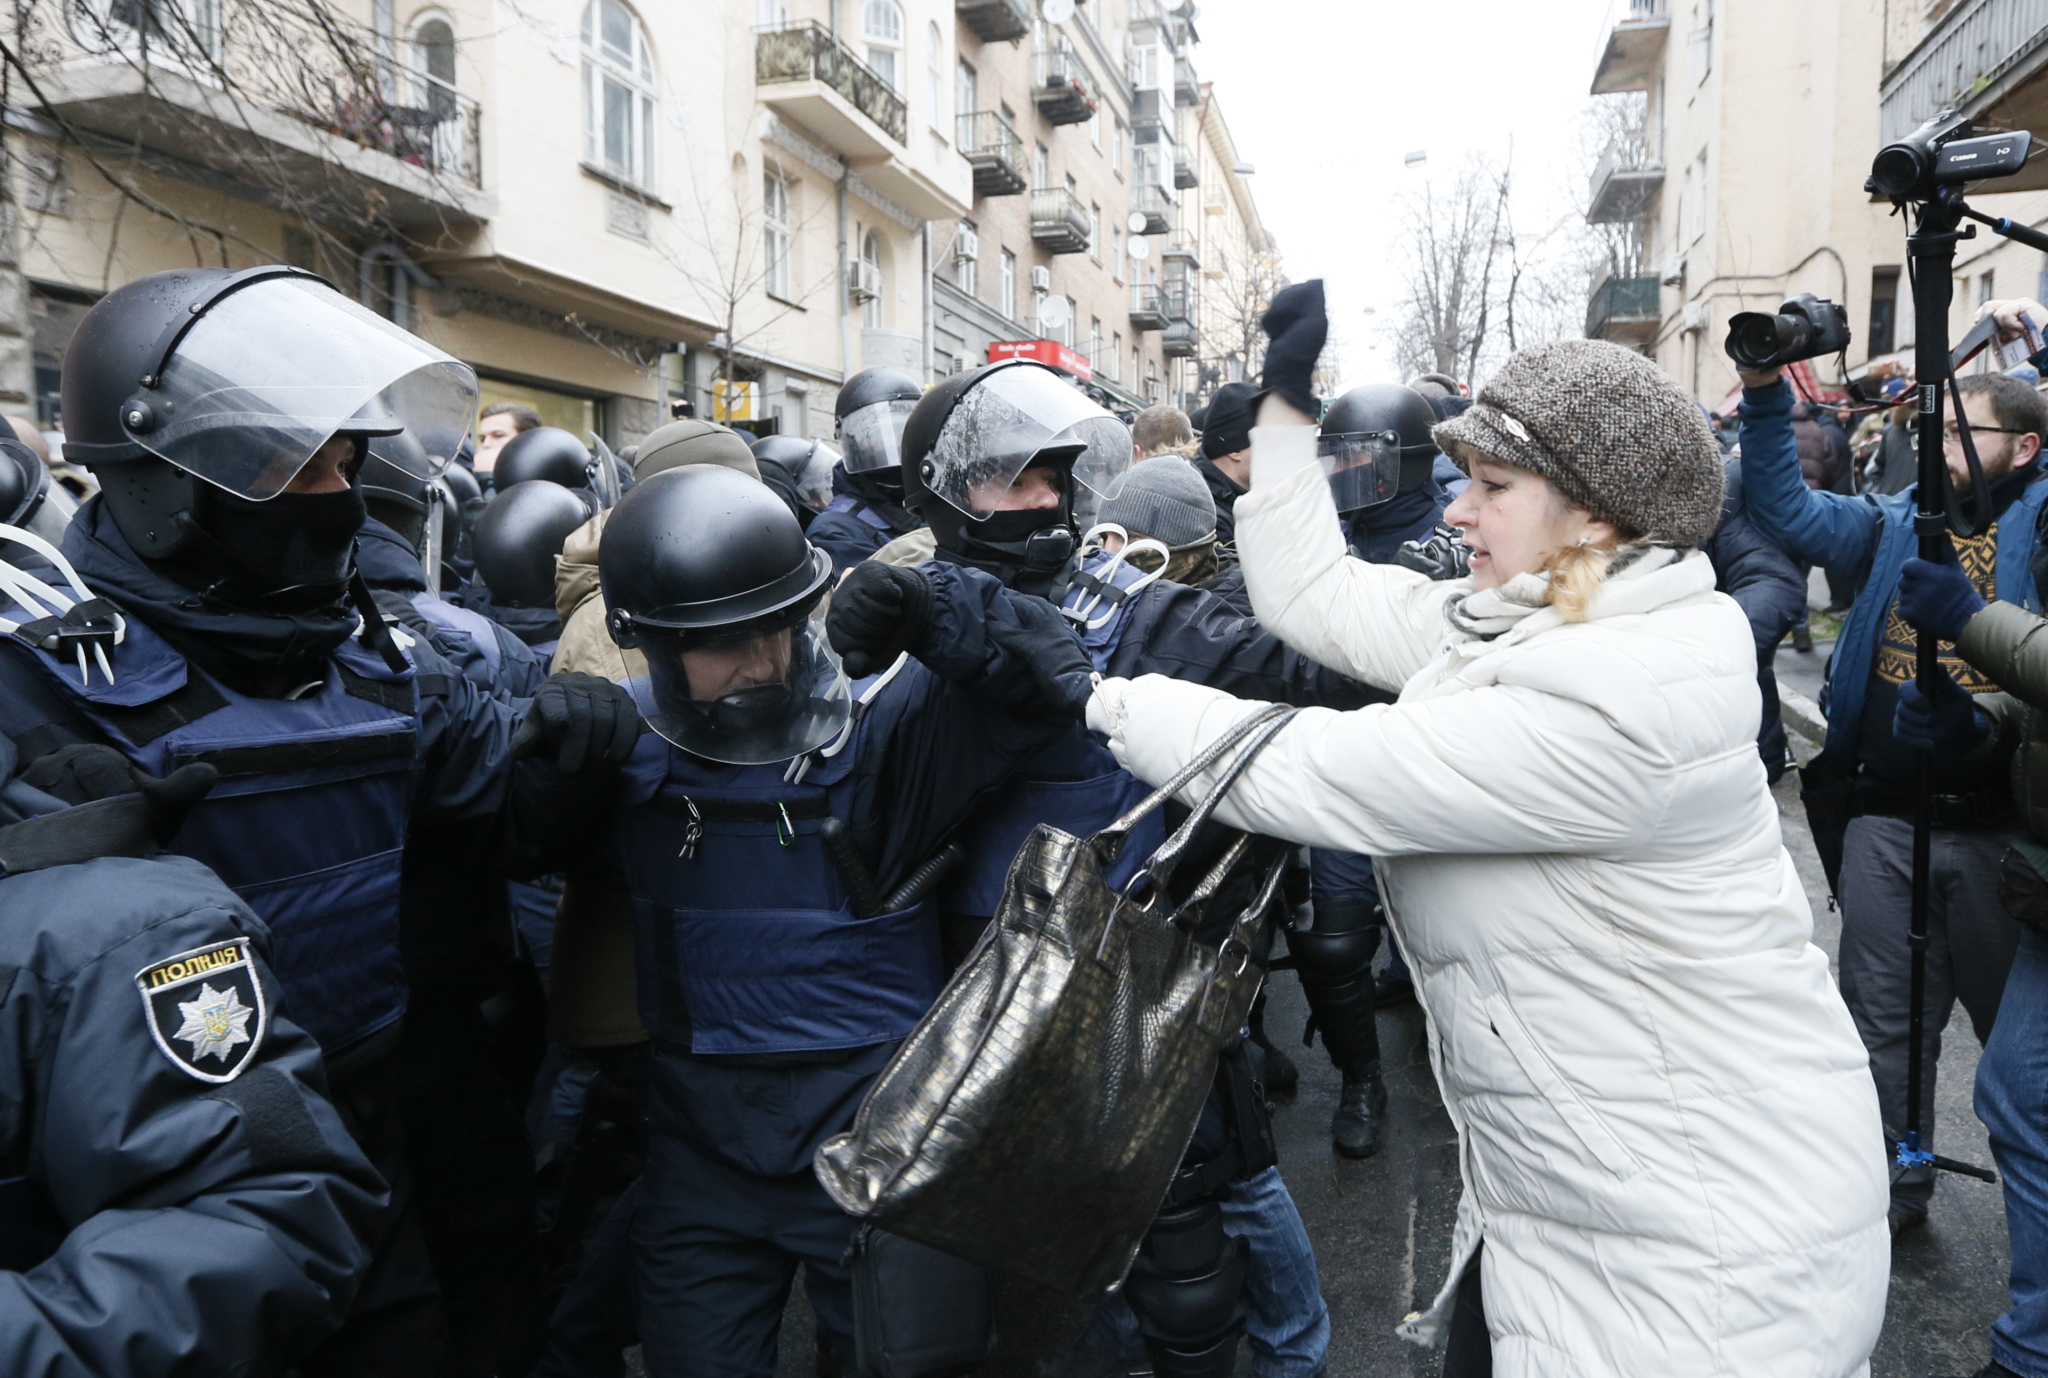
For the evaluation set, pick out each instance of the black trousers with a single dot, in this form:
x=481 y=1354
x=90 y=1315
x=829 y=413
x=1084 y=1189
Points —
x=1469 y=1353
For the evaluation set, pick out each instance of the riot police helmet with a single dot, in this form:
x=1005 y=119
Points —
x=974 y=440
x=1374 y=443
x=24 y=482
x=872 y=410
x=393 y=490
x=545 y=453
x=461 y=481
x=198 y=396
x=803 y=467
x=518 y=535
x=708 y=574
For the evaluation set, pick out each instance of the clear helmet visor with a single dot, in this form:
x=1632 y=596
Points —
x=748 y=700
x=1013 y=418
x=814 y=484
x=1364 y=468
x=434 y=537
x=268 y=373
x=873 y=436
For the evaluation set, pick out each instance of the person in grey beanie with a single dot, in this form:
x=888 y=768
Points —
x=1164 y=498
x=1583 y=863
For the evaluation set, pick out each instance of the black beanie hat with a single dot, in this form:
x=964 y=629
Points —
x=1228 y=426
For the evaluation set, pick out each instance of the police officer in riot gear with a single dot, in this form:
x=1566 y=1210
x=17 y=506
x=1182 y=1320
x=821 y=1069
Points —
x=518 y=535
x=545 y=454
x=800 y=472
x=176 y=1193
x=226 y=416
x=765 y=838
x=1375 y=447
x=867 y=509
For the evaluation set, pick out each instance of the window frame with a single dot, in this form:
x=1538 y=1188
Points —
x=894 y=45
x=1009 y=285
x=638 y=77
x=871 y=309
x=777 y=233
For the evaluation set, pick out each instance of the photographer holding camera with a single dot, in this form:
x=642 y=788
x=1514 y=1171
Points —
x=1859 y=791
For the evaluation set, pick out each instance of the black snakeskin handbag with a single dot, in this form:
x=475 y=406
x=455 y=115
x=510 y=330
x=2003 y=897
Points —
x=1034 y=1119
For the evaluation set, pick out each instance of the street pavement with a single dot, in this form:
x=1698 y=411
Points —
x=1382 y=1226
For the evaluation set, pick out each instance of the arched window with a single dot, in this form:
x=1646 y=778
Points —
x=881 y=24
x=934 y=82
x=618 y=92
x=433 y=65
x=871 y=254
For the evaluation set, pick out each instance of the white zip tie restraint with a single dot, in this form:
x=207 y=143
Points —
x=58 y=624
x=1084 y=611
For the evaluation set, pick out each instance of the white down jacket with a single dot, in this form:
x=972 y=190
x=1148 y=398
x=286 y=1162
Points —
x=1669 y=1136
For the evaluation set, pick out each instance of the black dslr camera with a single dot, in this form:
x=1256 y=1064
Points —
x=1803 y=328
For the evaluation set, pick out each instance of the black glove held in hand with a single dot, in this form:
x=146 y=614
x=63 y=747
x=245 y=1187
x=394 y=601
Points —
x=587 y=721
x=88 y=772
x=878 y=612
x=1296 y=328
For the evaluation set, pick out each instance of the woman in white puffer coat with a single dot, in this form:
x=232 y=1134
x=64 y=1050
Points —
x=1670 y=1140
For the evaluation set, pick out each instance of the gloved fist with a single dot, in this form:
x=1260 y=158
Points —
x=588 y=722
x=85 y=773
x=1938 y=598
x=1106 y=706
x=1443 y=556
x=1950 y=723
x=1296 y=327
x=878 y=612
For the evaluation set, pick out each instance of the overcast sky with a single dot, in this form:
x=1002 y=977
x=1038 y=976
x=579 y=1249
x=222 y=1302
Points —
x=1327 y=97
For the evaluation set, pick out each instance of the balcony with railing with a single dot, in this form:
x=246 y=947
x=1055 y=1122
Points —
x=1148 y=306
x=1150 y=200
x=1061 y=86
x=804 y=72
x=1059 y=222
x=260 y=92
x=1984 y=59
x=996 y=153
x=1624 y=310
x=1633 y=53
x=1179 y=340
x=1181 y=255
x=1186 y=90
x=994 y=21
x=1185 y=175
x=1627 y=178
x=1151 y=116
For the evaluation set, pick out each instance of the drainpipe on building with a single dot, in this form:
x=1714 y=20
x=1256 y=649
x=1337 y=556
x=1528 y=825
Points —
x=845 y=315
x=930 y=305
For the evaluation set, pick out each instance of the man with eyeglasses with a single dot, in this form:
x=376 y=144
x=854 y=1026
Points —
x=1859 y=790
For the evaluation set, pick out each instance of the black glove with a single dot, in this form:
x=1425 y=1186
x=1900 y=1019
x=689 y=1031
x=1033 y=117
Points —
x=589 y=722
x=1949 y=723
x=878 y=612
x=1296 y=328
x=87 y=772
x=1443 y=556
x=1043 y=640
x=1937 y=597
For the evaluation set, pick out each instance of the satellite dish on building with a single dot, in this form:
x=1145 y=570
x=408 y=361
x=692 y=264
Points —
x=1416 y=159
x=1141 y=249
x=1052 y=313
x=1058 y=11
x=1137 y=222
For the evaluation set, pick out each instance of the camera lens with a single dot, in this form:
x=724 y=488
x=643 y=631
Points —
x=1760 y=339
x=1897 y=170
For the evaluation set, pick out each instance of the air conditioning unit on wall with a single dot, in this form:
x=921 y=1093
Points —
x=863 y=280
x=967 y=245
x=1041 y=279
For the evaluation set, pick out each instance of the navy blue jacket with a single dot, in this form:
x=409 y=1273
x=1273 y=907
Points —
x=487 y=655
x=858 y=521
x=1865 y=539
x=205 y=1227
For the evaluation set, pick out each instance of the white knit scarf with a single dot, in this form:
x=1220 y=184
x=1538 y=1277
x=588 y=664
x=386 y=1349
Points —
x=1484 y=614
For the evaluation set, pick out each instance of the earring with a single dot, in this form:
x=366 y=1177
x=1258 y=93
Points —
x=1585 y=538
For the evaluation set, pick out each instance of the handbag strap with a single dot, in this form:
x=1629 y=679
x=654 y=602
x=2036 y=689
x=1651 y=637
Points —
x=1208 y=757
x=1261 y=727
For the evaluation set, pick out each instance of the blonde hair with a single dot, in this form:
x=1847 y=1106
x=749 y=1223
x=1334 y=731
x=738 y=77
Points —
x=1576 y=571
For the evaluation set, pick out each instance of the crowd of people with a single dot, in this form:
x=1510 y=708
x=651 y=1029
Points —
x=454 y=879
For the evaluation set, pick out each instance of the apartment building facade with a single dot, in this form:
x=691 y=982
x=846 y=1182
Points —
x=1742 y=182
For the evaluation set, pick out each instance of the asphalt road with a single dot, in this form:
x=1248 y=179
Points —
x=1382 y=1227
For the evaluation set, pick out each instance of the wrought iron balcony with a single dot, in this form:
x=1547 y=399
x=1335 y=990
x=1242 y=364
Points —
x=1059 y=222
x=1150 y=200
x=1180 y=256
x=1624 y=310
x=1634 y=52
x=1186 y=90
x=994 y=21
x=1623 y=185
x=1062 y=87
x=1148 y=306
x=803 y=56
x=996 y=153
x=1984 y=59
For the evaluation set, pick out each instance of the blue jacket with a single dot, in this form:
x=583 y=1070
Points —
x=1866 y=536
x=214 y=1224
x=857 y=522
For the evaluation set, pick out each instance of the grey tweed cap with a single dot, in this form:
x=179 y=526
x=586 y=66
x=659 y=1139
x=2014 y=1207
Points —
x=1164 y=498
x=1614 y=432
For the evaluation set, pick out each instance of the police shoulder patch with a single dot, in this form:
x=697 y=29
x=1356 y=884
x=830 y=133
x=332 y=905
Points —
x=206 y=1009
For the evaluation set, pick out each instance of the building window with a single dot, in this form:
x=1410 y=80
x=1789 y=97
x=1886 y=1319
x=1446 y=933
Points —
x=1696 y=198
x=935 y=85
x=881 y=24
x=1009 y=286
x=1702 y=40
x=963 y=259
x=1095 y=337
x=871 y=255
x=1116 y=356
x=1152 y=381
x=1095 y=232
x=1095 y=130
x=618 y=93
x=1884 y=311
x=1116 y=154
x=775 y=233
x=1041 y=167
x=967 y=89
x=1116 y=257
x=771 y=14
x=1070 y=324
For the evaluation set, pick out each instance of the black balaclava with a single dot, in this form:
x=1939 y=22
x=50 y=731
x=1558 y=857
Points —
x=291 y=553
x=1023 y=549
